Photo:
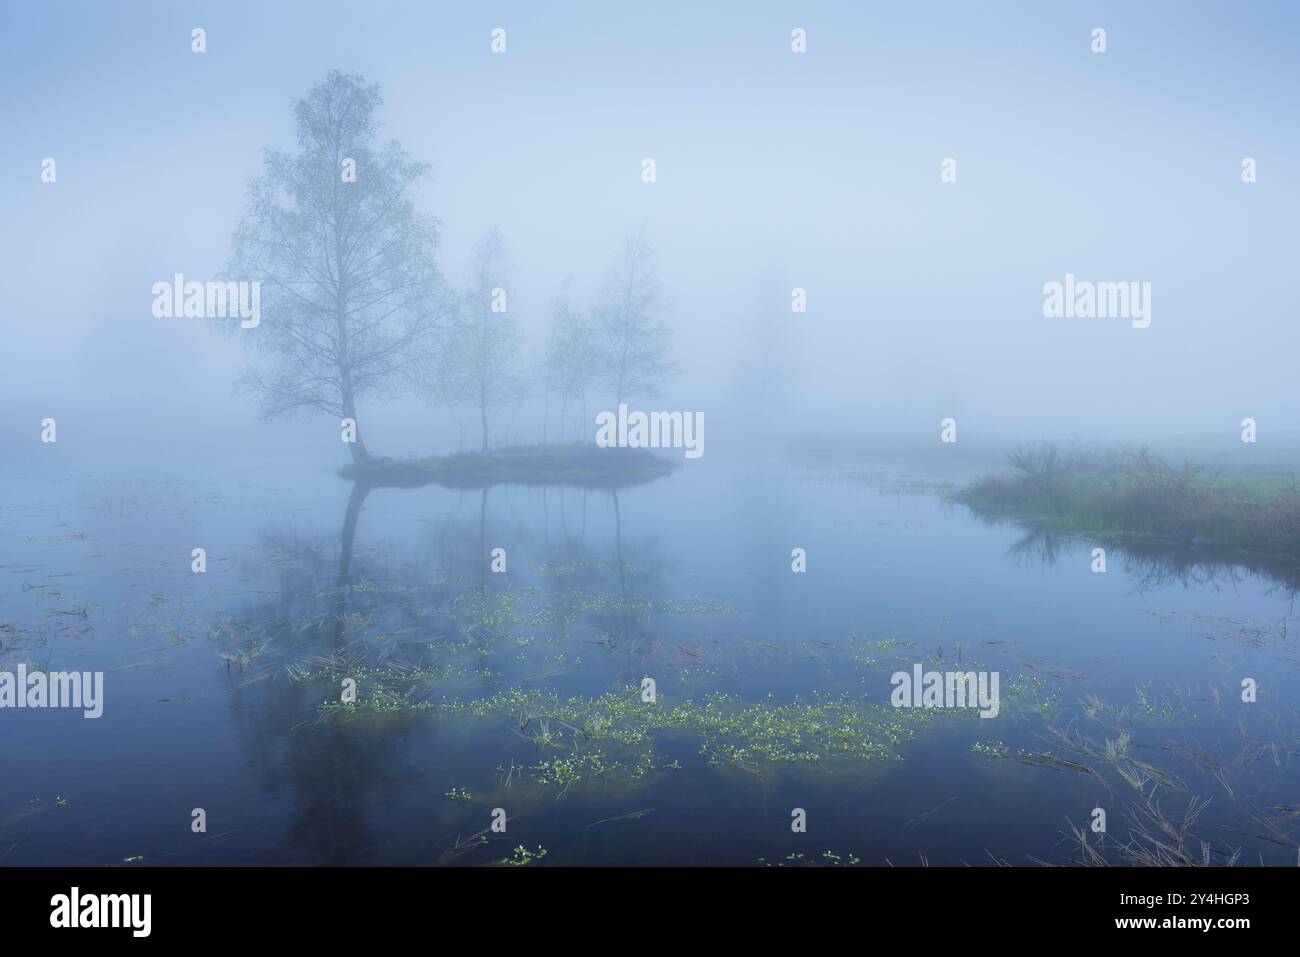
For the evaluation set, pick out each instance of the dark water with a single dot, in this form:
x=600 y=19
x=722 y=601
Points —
x=481 y=690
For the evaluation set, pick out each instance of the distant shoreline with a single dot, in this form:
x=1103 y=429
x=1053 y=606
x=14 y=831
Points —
x=1136 y=493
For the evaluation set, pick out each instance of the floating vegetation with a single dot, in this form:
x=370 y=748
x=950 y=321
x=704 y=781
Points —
x=1033 y=693
x=571 y=569
x=464 y=846
x=803 y=731
x=1160 y=710
x=1098 y=710
x=616 y=735
x=396 y=672
x=864 y=651
x=996 y=749
x=16 y=645
x=523 y=856
x=243 y=657
x=1117 y=753
x=78 y=611
x=825 y=859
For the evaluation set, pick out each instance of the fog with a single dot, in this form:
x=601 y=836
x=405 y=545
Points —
x=607 y=434
x=774 y=170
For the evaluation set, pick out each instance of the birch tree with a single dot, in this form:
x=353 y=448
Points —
x=350 y=288
x=635 y=341
x=477 y=367
x=572 y=359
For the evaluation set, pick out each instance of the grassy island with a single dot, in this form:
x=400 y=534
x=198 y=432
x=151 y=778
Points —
x=572 y=464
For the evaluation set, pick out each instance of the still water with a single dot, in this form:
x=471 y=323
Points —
x=522 y=690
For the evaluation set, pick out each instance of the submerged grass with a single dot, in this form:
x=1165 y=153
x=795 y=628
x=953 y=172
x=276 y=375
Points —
x=1137 y=791
x=583 y=738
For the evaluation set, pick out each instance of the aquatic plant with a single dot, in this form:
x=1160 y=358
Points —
x=522 y=856
x=612 y=735
x=825 y=859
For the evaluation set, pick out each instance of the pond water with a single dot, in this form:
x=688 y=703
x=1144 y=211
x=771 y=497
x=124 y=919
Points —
x=522 y=690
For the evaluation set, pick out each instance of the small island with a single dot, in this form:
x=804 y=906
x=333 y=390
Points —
x=574 y=464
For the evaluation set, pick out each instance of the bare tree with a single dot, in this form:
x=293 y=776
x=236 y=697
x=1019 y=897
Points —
x=635 y=341
x=350 y=287
x=571 y=357
x=477 y=366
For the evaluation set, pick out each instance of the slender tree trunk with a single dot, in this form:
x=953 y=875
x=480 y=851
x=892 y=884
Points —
x=483 y=413
x=359 y=451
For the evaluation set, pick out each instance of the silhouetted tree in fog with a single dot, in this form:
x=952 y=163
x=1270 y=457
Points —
x=571 y=357
x=634 y=340
x=350 y=289
x=476 y=367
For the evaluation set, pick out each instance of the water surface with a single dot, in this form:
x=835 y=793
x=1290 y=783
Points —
x=520 y=690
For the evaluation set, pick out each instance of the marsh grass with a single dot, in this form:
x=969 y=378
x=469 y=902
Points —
x=1143 y=790
x=1135 y=492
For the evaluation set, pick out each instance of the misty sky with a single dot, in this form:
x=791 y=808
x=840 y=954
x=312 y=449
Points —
x=774 y=170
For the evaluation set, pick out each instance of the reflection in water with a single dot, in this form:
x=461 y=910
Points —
x=458 y=631
x=1038 y=546
x=1153 y=563
x=331 y=770
x=343 y=581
